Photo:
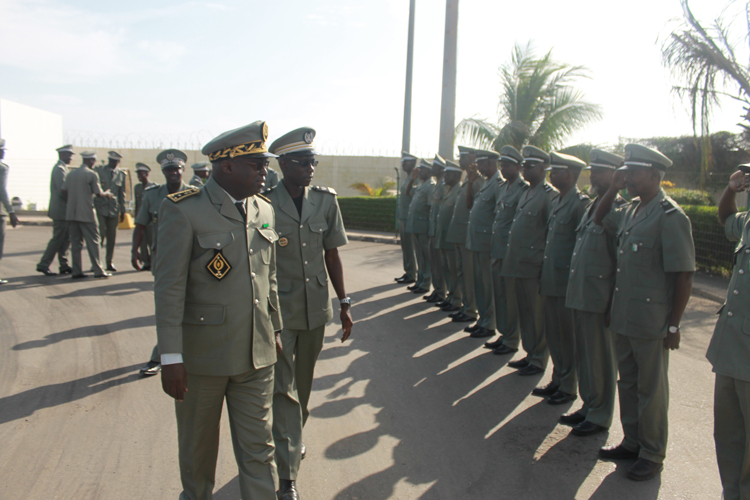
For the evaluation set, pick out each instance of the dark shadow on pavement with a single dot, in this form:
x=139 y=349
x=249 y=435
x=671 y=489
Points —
x=110 y=289
x=88 y=331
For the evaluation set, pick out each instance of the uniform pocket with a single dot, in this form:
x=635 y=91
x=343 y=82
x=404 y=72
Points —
x=318 y=229
x=268 y=238
x=203 y=314
x=648 y=310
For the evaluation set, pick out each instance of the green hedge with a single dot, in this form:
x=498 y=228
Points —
x=369 y=213
x=690 y=196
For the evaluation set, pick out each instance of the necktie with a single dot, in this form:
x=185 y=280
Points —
x=241 y=209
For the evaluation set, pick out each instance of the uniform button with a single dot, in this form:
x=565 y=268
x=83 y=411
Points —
x=256 y=301
x=730 y=314
x=579 y=239
x=307 y=280
x=545 y=256
x=251 y=251
x=627 y=232
x=600 y=276
x=201 y=318
x=648 y=299
x=252 y=275
x=574 y=254
x=218 y=244
x=305 y=262
x=747 y=251
x=617 y=289
x=532 y=247
x=618 y=270
x=621 y=252
x=736 y=292
x=572 y=271
x=301 y=226
x=742 y=271
x=304 y=244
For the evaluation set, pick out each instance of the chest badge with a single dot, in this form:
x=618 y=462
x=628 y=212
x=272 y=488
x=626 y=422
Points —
x=283 y=242
x=218 y=266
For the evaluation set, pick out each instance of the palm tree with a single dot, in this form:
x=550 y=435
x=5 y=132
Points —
x=705 y=59
x=538 y=104
x=385 y=188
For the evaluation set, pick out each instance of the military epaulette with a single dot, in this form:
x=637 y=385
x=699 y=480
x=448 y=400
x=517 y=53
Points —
x=620 y=202
x=152 y=186
x=268 y=191
x=181 y=195
x=263 y=197
x=583 y=196
x=667 y=206
x=324 y=189
x=547 y=187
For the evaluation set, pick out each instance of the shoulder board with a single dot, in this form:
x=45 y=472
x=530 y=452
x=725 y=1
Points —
x=583 y=196
x=547 y=187
x=263 y=197
x=268 y=191
x=181 y=195
x=619 y=202
x=324 y=189
x=152 y=186
x=668 y=206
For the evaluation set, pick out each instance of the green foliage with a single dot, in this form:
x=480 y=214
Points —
x=690 y=197
x=538 y=105
x=369 y=213
x=713 y=251
x=383 y=190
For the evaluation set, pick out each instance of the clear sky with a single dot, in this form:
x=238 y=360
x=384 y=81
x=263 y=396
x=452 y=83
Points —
x=181 y=72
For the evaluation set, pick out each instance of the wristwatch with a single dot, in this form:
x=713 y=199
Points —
x=346 y=300
x=674 y=329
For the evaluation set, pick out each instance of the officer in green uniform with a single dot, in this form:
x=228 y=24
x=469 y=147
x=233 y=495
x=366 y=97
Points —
x=60 y=242
x=449 y=263
x=479 y=241
x=408 y=163
x=216 y=313
x=272 y=179
x=142 y=171
x=589 y=295
x=653 y=280
x=5 y=207
x=418 y=223
x=310 y=229
x=80 y=187
x=523 y=260
x=567 y=211
x=110 y=211
x=503 y=288
x=436 y=266
x=172 y=163
x=729 y=352
x=457 y=232
x=201 y=173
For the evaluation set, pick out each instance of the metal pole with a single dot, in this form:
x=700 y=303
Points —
x=406 y=138
x=448 y=104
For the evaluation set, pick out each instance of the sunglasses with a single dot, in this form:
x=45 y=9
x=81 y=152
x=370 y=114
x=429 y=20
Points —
x=306 y=163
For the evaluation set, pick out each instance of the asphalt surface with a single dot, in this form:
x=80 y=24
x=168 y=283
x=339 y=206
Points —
x=409 y=408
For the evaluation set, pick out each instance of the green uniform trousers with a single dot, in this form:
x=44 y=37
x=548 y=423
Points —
x=506 y=305
x=450 y=267
x=57 y=246
x=248 y=397
x=293 y=378
x=561 y=340
x=422 y=249
x=146 y=242
x=531 y=319
x=108 y=232
x=80 y=231
x=732 y=435
x=644 y=395
x=407 y=250
x=465 y=270
x=439 y=281
x=483 y=289
x=597 y=367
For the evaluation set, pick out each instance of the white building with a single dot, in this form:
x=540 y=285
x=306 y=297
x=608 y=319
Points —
x=31 y=138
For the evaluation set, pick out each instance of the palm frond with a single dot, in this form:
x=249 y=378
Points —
x=476 y=132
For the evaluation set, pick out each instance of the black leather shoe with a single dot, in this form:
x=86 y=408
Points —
x=79 y=276
x=618 y=452
x=303 y=452
x=573 y=419
x=287 y=490
x=400 y=279
x=449 y=308
x=430 y=296
x=435 y=299
x=530 y=370
x=455 y=314
x=504 y=349
x=412 y=287
x=151 y=368
x=3 y=282
x=587 y=428
x=495 y=344
x=419 y=291
x=472 y=328
x=519 y=363
x=406 y=281
x=643 y=470
x=482 y=332
x=45 y=271
x=66 y=270
x=102 y=276
x=463 y=318
x=545 y=390
x=560 y=398
x=111 y=267
x=444 y=303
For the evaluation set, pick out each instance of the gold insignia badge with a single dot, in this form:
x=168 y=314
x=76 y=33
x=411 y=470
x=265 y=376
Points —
x=218 y=266
x=154 y=220
x=283 y=242
x=264 y=131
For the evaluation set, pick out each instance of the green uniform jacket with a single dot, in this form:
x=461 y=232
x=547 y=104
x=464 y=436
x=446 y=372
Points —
x=436 y=199
x=729 y=350
x=479 y=232
x=594 y=261
x=148 y=212
x=303 y=239
x=81 y=184
x=138 y=195
x=528 y=233
x=404 y=201
x=196 y=181
x=5 y=207
x=222 y=327
x=652 y=246
x=114 y=180
x=505 y=210
x=57 y=201
x=445 y=215
x=419 y=209
x=272 y=179
x=460 y=221
x=567 y=212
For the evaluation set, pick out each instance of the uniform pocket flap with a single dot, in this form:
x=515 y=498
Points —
x=601 y=272
x=645 y=241
x=319 y=227
x=596 y=229
x=323 y=279
x=269 y=234
x=215 y=240
x=284 y=230
x=285 y=285
x=203 y=314
x=648 y=295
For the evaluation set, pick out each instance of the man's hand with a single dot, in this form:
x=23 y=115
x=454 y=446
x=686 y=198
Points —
x=414 y=174
x=108 y=194
x=279 y=346
x=672 y=341
x=472 y=173
x=738 y=182
x=618 y=180
x=13 y=219
x=135 y=257
x=174 y=380
x=122 y=217
x=346 y=322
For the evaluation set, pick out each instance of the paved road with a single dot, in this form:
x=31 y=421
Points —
x=410 y=408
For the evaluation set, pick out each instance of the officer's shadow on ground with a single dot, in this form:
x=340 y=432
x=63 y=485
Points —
x=109 y=289
x=25 y=403
x=88 y=331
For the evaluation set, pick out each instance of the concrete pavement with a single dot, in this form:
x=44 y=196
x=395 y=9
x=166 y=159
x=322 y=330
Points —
x=410 y=407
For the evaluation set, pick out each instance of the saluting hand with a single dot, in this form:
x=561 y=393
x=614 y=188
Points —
x=174 y=380
x=618 y=180
x=346 y=322
x=738 y=182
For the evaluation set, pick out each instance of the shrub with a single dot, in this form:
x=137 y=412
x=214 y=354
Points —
x=369 y=213
x=690 y=197
x=713 y=251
